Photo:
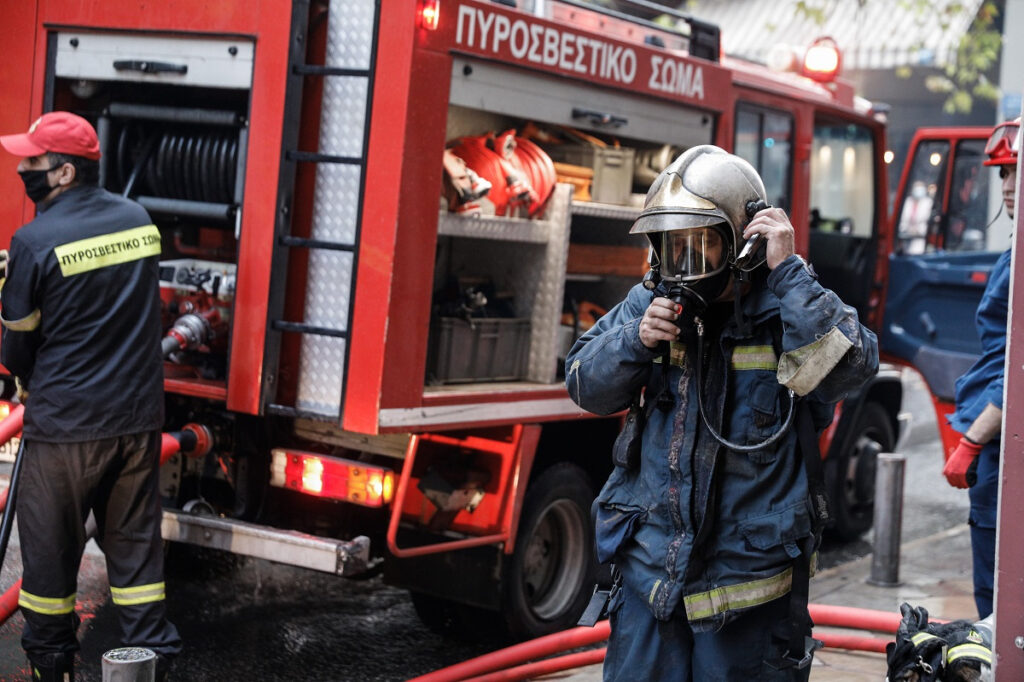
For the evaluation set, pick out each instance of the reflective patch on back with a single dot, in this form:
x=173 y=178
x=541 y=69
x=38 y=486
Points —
x=115 y=248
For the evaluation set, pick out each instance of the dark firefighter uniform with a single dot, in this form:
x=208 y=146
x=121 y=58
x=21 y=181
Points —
x=81 y=318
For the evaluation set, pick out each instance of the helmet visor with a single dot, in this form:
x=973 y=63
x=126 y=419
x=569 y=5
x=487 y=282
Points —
x=692 y=253
x=1007 y=134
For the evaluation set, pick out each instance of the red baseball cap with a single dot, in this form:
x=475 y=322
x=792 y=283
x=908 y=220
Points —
x=60 y=132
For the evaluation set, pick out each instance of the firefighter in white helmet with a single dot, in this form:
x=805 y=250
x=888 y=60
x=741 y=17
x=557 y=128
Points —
x=974 y=463
x=711 y=514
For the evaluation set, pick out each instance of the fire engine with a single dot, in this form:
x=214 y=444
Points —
x=367 y=357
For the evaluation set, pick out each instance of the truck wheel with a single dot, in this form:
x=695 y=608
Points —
x=850 y=473
x=550 y=576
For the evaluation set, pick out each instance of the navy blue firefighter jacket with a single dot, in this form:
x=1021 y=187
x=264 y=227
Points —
x=696 y=526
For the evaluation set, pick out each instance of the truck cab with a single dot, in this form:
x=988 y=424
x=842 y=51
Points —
x=950 y=228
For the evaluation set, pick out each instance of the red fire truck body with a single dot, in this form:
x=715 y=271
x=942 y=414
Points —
x=290 y=152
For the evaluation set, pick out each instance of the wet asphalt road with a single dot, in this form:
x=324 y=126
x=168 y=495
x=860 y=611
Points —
x=248 y=619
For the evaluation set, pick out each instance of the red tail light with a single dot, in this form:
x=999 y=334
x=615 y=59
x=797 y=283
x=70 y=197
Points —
x=430 y=12
x=333 y=477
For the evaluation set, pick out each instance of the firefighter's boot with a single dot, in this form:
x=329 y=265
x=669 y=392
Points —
x=53 y=668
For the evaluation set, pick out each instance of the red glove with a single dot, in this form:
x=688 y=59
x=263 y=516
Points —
x=961 y=469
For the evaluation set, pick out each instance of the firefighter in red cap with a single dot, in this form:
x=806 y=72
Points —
x=81 y=331
x=974 y=463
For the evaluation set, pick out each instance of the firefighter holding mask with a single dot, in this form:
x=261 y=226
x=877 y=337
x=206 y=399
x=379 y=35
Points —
x=740 y=355
x=81 y=330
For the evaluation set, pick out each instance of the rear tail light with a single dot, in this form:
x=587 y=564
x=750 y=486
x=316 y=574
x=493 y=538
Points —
x=430 y=12
x=332 y=477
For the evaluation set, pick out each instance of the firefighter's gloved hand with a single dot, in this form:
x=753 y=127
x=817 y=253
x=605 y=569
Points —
x=4 y=257
x=916 y=654
x=962 y=468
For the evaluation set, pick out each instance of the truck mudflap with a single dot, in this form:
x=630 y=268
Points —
x=329 y=555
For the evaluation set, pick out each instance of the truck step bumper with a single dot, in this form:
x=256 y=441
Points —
x=329 y=555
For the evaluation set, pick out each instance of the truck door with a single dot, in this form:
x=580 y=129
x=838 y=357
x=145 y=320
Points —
x=845 y=211
x=947 y=239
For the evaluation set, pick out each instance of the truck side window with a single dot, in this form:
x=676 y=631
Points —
x=968 y=216
x=765 y=139
x=918 y=226
x=841 y=239
x=842 y=179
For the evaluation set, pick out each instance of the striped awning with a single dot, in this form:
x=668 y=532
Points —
x=875 y=34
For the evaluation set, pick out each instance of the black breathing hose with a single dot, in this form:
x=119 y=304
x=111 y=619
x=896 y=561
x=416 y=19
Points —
x=771 y=440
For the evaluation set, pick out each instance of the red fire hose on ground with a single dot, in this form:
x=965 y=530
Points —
x=519 y=662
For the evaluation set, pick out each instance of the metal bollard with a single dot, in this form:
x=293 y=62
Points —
x=130 y=664
x=885 y=561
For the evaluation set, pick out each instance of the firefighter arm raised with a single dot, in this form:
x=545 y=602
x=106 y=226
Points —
x=774 y=225
x=826 y=350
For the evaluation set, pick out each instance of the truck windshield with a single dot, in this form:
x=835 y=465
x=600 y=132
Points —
x=917 y=225
x=925 y=222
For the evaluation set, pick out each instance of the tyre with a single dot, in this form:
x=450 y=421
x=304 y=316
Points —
x=850 y=472
x=550 y=576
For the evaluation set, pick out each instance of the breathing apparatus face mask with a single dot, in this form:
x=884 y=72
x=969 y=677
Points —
x=694 y=262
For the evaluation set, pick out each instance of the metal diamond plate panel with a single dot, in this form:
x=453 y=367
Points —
x=350 y=33
x=336 y=203
x=320 y=374
x=535 y=275
x=329 y=289
x=342 y=115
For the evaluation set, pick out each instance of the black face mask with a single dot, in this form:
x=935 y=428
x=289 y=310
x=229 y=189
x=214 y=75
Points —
x=37 y=187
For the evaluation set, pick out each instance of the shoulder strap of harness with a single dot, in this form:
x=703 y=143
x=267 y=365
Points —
x=800 y=647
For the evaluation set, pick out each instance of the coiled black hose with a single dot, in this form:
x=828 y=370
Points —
x=190 y=164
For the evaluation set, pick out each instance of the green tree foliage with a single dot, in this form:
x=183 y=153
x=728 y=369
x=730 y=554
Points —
x=967 y=76
x=962 y=80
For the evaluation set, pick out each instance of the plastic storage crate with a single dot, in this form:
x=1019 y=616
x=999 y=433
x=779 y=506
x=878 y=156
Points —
x=613 y=169
x=489 y=349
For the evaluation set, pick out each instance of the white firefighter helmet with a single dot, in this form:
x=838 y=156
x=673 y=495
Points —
x=699 y=198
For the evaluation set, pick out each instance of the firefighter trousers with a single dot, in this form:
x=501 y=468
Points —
x=643 y=648
x=117 y=479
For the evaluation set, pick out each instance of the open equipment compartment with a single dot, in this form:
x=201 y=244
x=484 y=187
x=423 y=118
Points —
x=578 y=250
x=171 y=113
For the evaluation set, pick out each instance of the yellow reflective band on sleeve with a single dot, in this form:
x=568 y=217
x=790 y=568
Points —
x=676 y=354
x=976 y=651
x=921 y=637
x=25 y=324
x=108 y=249
x=50 y=606
x=754 y=357
x=141 y=594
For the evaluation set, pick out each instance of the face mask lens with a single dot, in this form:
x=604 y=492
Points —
x=691 y=254
x=1006 y=131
